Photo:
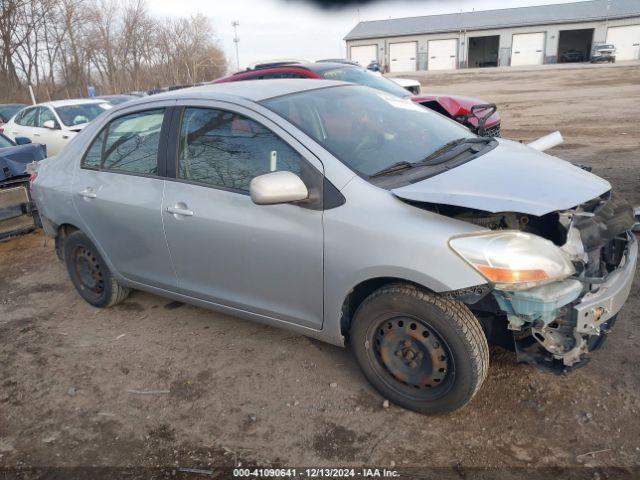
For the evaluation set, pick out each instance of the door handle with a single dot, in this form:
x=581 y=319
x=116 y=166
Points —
x=65 y=137
x=185 y=212
x=87 y=193
x=36 y=134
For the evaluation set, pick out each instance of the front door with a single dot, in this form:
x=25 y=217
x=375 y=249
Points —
x=263 y=259
x=54 y=138
x=118 y=194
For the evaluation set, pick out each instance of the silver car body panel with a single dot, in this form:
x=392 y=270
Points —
x=510 y=178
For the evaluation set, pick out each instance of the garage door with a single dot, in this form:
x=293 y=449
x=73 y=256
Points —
x=363 y=54
x=527 y=49
x=403 y=56
x=443 y=54
x=626 y=40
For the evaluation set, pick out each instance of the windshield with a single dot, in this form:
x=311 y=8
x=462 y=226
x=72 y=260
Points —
x=72 y=115
x=5 y=142
x=366 y=129
x=366 y=78
x=9 y=111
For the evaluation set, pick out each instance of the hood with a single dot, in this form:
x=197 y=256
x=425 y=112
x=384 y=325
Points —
x=510 y=178
x=405 y=82
x=77 y=128
x=456 y=105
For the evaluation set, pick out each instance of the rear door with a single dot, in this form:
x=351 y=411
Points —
x=626 y=40
x=403 y=57
x=263 y=259
x=527 y=49
x=118 y=194
x=23 y=124
x=443 y=54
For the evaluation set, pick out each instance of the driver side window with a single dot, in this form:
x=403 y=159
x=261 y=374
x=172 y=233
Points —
x=46 y=115
x=225 y=149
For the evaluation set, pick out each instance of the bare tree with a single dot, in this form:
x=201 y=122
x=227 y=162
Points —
x=62 y=46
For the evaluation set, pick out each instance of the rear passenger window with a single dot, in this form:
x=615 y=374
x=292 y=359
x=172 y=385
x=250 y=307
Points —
x=128 y=144
x=227 y=150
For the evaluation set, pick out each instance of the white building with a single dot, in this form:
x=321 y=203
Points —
x=510 y=36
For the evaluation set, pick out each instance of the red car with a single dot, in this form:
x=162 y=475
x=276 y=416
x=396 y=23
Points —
x=480 y=116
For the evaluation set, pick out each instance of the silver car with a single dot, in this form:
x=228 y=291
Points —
x=351 y=216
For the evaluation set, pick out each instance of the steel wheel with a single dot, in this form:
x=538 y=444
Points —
x=88 y=271
x=412 y=353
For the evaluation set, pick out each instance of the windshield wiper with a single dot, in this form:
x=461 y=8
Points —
x=396 y=167
x=447 y=147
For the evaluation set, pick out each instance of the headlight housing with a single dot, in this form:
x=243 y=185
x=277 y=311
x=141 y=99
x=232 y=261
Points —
x=513 y=260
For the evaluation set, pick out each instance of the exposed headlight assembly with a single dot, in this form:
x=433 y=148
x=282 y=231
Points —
x=513 y=260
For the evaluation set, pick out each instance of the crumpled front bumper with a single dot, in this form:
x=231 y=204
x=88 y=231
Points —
x=596 y=308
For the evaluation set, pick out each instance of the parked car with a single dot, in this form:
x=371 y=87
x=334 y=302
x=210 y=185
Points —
x=350 y=215
x=17 y=211
x=8 y=110
x=117 y=99
x=478 y=115
x=374 y=66
x=413 y=86
x=572 y=56
x=54 y=123
x=603 y=53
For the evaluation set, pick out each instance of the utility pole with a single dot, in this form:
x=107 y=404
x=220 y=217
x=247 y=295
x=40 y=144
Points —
x=236 y=40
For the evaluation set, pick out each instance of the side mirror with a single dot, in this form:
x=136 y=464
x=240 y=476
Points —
x=50 y=124
x=22 y=140
x=277 y=187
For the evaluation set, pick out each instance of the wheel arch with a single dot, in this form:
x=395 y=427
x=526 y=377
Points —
x=62 y=232
x=361 y=291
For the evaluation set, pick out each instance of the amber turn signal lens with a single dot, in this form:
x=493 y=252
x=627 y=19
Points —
x=502 y=275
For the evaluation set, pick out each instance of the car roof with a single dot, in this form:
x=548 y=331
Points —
x=254 y=90
x=316 y=67
x=12 y=105
x=64 y=103
x=115 y=95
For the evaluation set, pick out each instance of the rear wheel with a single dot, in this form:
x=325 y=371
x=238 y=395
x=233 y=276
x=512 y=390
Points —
x=422 y=351
x=90 y=274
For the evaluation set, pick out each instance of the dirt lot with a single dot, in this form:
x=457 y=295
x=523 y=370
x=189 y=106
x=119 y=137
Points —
x=239 y=391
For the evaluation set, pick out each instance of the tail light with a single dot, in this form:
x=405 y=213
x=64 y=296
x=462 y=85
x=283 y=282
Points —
x=32 y=177
x=1 y=129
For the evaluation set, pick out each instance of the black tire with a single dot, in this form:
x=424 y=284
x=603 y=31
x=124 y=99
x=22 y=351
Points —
x=420 y=350
x=89 y=273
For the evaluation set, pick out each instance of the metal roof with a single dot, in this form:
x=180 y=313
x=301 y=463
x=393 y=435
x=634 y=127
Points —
x=487 y=19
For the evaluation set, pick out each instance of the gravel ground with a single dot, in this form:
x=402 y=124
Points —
x=229 y=391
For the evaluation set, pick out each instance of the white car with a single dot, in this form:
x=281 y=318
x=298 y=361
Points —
x=54 y=123
x=411 y=85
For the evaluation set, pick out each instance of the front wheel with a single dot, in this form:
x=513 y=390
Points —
x=90 y=274
x=420 y=350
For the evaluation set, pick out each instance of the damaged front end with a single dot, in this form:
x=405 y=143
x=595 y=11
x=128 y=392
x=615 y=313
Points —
x=556 y=323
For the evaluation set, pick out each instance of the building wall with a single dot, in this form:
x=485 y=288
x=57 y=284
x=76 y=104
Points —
x=506 y=36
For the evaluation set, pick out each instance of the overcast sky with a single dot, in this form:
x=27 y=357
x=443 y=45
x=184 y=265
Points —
x=271 y=29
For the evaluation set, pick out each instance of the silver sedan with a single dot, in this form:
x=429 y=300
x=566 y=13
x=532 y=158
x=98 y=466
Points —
x=348 y=215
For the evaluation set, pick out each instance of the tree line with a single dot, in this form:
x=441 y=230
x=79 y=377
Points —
x=61 y=47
